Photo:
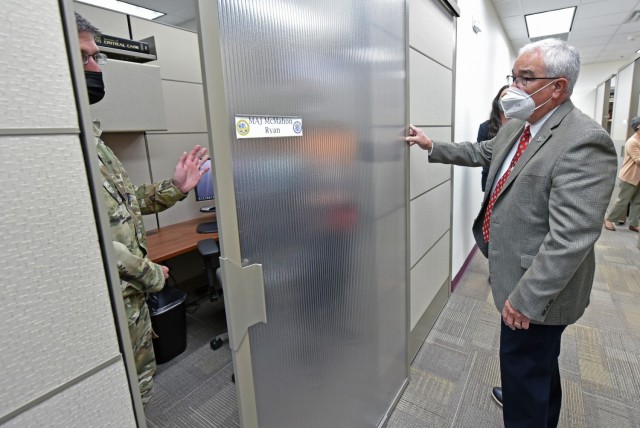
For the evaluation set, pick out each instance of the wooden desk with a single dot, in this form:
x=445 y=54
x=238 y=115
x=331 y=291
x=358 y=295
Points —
x=170 y=241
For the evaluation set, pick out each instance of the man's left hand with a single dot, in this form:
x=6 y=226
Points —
x=513 y=318
x=187 y=172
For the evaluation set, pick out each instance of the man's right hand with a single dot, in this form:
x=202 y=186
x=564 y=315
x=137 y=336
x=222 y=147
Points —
x=417 y=136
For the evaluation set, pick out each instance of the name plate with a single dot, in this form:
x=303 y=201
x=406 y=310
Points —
x=268 y=126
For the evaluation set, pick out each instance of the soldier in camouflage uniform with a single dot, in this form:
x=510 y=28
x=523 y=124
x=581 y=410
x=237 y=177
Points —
x=126 y=204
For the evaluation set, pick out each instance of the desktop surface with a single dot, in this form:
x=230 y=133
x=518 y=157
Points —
x=171 y=241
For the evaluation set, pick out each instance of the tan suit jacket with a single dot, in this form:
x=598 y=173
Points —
x=549 y=215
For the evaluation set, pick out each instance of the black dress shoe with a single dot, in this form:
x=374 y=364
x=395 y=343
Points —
x=496 y=393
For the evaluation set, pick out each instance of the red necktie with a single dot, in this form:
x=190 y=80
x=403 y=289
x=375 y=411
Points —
x=524 y=142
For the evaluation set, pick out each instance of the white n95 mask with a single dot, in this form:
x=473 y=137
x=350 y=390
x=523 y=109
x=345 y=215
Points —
x=518 y=104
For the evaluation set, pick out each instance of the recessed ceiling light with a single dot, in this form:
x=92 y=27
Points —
x=551 y=22
x=124 y=7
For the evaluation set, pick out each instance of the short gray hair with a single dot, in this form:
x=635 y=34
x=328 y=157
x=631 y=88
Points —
x=634 y=123
x=85 y=26
x=560 y=59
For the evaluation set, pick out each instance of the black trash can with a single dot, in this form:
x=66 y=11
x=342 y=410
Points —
x=169 y=321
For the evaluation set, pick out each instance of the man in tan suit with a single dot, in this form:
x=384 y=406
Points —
x=629 y=183
x=551 y=173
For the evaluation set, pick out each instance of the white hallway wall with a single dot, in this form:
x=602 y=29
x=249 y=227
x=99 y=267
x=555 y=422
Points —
x=483 y=61
x=591 y=75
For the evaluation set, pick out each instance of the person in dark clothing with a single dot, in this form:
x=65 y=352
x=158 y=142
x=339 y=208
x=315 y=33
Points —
x=489 y=128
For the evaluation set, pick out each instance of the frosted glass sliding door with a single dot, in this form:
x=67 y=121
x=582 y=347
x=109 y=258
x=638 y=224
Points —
x=320 y=208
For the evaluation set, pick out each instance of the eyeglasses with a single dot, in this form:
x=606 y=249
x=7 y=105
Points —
x=523 y=81
x=99 y=58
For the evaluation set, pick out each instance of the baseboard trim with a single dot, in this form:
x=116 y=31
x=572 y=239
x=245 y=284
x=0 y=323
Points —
x=428 y=319
x=463 y=269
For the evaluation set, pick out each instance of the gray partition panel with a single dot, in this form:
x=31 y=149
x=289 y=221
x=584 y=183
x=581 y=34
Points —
x=36 y=89
x=431 y=89
x=427 y=277
x=424 y=175
x=55 y=298
x=108 y=21
x=101 y=400
x=133 y=98
x=430 y=219
x=177 y=49
x=432 y=30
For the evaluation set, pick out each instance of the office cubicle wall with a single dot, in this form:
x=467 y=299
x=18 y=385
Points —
x=323 y=212
x=604 y=103
x=622 y=106
x=60 y=363
x=432 y=39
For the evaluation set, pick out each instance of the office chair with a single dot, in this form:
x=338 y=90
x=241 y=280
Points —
x=208 y=249
x=223 y=337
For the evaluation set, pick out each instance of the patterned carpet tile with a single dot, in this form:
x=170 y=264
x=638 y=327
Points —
x=602 y=412
x=424 y=384
x=572 y=413
x=410 y=415
x=444 y=362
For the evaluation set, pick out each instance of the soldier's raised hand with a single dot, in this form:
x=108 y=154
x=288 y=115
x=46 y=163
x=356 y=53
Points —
x=187 y=172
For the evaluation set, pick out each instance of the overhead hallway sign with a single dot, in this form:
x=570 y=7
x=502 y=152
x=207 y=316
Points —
x=268 y=126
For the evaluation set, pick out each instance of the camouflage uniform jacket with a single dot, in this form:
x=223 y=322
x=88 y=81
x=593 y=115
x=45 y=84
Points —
x=126 y=204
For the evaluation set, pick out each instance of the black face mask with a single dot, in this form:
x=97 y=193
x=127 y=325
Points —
x=95 y=86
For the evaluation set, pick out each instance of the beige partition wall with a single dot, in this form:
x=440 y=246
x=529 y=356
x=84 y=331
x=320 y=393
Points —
x=60 y=364
x=432 y=42
x=604 y=103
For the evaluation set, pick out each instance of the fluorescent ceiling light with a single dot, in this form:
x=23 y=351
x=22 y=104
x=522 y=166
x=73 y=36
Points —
x=548 y=23
x=128 y=8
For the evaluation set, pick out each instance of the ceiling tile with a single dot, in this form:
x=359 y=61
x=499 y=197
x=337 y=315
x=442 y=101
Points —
x=607 y=57
x=590 y=50
x=588 y=59
x=589 y=33
x=508 y=8
x=632 y=27
x=514 y=22
x=529 y=7
x=517 y=33
x=599 y=21
x=588 y=41
x=605 y=8
x=625 y=37
x=624 y=47
x=519 y=42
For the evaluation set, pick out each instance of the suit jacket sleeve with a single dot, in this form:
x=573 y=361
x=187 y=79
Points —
x=462 y=154
x=474 y=154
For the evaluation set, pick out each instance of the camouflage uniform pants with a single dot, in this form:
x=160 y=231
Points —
x=141 y=334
